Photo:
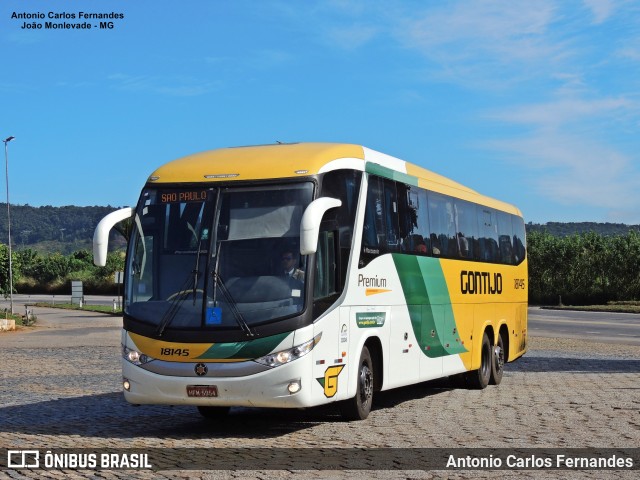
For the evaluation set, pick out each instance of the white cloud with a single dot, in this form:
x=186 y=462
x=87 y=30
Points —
x=563 y=111
x=601 y=9
x=484 y=22
x=570 y=168
x=484 y=40
x=630 y=53
x=577 y=145
x=178 y=86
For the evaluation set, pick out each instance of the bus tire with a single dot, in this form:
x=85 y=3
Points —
x=213 y=413
x=480 y=378
x=358 y=407
x=497 y=363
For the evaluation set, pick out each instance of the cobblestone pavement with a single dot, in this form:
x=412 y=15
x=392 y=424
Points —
x=61 y=389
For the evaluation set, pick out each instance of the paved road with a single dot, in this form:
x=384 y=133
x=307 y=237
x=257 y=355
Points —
x=61 y=389
x=605 y=327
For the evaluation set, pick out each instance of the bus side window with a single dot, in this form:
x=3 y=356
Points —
x=466 y=228
x=519 y=240
x=380 y=233
x=325 y=278
x=488 y=243
x=505 y=233
x=442 y=226
x=390 y=208
x=373 y=228
x=345 y=186
x=414 y=224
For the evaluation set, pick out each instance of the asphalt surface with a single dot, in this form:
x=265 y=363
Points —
x=60 y=389
x=618 y=328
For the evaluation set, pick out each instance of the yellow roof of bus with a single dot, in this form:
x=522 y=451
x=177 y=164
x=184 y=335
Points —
x=255 y=162
x=262 y=162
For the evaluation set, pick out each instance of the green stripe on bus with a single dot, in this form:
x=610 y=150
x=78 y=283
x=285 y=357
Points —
x=429 y=305
x=377 y=169
x=250 y=349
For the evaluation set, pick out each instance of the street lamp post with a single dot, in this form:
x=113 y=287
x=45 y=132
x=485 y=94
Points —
x=6 y=162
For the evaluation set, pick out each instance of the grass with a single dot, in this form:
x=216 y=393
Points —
x=17 y=317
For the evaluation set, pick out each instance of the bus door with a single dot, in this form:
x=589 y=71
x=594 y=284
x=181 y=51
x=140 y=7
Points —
x=404 y=349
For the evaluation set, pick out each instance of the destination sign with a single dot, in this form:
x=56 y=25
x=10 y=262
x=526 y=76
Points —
x=184 y=196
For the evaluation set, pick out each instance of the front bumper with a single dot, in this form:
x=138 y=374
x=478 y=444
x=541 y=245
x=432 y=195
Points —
x=264 y=389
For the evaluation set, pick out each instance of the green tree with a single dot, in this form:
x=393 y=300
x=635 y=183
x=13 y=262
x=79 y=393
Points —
x=583 y=268
x=4 y=270
x=124 y=228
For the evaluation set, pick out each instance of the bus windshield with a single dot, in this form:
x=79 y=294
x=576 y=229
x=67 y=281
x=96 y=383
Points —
x=217 y=258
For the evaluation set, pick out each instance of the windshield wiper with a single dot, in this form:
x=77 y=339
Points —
x=171 y=312
x=182 y=294
x=196 y=270
x=219 y=282
x=244 y=326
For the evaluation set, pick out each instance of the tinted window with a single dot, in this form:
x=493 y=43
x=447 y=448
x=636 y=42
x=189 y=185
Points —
x=373 y=229
x=519 y=240
x=408 y=219
x=488 y=242
x=325 y=277
x=414 y=219
x=442 y=231
x=467 y=229
x=381 y=232
x=505 y=234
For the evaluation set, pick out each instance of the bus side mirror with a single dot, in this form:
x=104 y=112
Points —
x=101 y=234
x=310 y=224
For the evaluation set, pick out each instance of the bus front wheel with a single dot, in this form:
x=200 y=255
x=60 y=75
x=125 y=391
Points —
x=480 y=378
x=358 y=407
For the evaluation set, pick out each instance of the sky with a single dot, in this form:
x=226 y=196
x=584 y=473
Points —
x=536 y=103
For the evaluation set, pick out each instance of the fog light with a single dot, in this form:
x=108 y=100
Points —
x=126 y=385
x=294 y=387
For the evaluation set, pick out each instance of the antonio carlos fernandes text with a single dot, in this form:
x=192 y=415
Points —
x=533 y=461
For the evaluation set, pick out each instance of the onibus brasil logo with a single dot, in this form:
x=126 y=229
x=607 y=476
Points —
x=35 y=459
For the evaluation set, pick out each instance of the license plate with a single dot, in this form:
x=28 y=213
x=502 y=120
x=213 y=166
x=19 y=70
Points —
x=202 y=391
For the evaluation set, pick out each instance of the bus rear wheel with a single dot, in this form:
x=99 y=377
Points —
x=497 y=365
x=358 y=407
x=480 y=378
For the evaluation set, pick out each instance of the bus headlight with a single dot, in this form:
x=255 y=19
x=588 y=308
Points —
x=285 y=356
x=134 y=356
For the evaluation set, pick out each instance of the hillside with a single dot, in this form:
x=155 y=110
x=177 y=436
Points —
x=561 y=229
x=52 y=229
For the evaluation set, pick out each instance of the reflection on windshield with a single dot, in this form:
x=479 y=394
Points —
x=203 y=258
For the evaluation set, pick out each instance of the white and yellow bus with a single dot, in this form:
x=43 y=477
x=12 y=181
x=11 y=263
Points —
x=296 y=275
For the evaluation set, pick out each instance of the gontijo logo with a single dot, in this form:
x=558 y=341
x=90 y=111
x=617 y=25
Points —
x=480 y=283
x=330 y=380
